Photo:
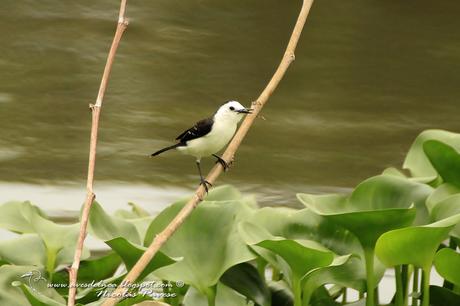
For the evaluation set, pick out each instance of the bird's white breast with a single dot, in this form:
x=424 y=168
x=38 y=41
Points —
x=221 y=133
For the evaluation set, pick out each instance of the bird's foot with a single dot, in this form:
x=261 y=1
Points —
x=205 y=184
x=221 y=161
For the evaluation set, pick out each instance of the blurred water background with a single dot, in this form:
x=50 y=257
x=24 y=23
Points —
x=369 y=76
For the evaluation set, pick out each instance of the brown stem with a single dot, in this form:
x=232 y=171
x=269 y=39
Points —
x=162 y=237
x=95 y=111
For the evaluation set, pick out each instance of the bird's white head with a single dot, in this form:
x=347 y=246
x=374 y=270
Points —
x=232 y=111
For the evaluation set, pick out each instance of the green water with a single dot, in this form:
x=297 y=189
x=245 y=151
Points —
x=369 y=76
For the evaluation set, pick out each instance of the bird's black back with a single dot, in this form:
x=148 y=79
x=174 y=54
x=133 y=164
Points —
x=200 y=129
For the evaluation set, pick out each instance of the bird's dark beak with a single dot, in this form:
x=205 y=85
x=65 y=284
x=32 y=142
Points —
x=245 y=111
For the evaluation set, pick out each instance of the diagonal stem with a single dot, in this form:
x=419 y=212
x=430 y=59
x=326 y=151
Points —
x=228 y=155
x=95 y=111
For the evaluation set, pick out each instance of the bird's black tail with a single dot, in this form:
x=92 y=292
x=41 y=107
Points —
x=166 y=149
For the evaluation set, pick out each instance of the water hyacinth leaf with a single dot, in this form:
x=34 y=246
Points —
x=345 y=271
x=36 y=298
x=447 y=263
x=445 y=159
x=446 y=208
x=225 y=296
x=91 y=270
x=301 y=258
x=415 y=245
x=245 y=279
x=208 y=241
x=131 y=253
x=106 y=227
x=377 y=205
x=15 y=216
x=12 y=295
x=440 y=194
x=440 y=296
x=12 y=251
x=416 y=160
x=303 y=224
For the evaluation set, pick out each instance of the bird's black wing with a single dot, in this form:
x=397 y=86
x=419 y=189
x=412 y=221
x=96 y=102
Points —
x=200 y=129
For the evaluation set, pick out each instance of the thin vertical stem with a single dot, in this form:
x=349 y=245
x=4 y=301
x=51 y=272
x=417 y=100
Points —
x=426 y=286
x=415 y=286
x=369 y=258
x=399 y=286
x=95 y=111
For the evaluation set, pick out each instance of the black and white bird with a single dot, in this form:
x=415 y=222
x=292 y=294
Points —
x=210 y=135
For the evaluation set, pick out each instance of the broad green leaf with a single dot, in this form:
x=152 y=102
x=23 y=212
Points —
x=440 y=296
x=345 y=271
x=131 y=253
x=12 y=295
x=225 y=296
x=377 y=205
x=445 y=159
x=59 y=240
x=415 y=245
x=301 y=258
x=15 y=216
x=447 y=263
x=106 y=227
x=90 y=270
x=416 y=160
x=448 y=207
x=208 y=241
x=36 y=298
x=440 y=194
x=27 y=249
x=245 y=279
x=302 y=224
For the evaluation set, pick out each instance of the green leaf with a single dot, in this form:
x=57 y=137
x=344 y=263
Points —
x=416 y=160
x=447 y=263
x=225 y=296
x=281 y=294
x=208 y=240
x=245 y=279
x=12 y=295
x=131 y=253
x=440 y=296
x=15 y=216
x=13 y=251
x=377 y=205
x=345 y=271
x=300 y=224
x=36 y=298
x=445 y=159
x=301 y=258
x=106 y=227
x=415 y=245
x=448 y=207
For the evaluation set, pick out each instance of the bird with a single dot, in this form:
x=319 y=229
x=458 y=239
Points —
x=210 y=135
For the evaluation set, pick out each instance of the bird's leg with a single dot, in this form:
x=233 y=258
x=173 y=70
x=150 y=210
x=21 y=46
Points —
x=221 y=161
x=203 y=182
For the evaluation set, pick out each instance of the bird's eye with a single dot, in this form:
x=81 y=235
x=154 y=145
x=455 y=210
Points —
x=232 y=108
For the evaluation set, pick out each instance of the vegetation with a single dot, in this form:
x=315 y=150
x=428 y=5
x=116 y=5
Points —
x=231 y=252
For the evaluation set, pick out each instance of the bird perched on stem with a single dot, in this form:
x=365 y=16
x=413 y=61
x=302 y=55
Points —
x=210 y=135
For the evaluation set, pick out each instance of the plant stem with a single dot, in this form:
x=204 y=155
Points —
x=369 y=258
x=50 y=262
x=426 y=286
x=211 y=296
x=415 y=286
x=95 y=112
x=297 y=291
x=344 y=296
x=405 y=283
x=228 y=156
x=399 y=286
